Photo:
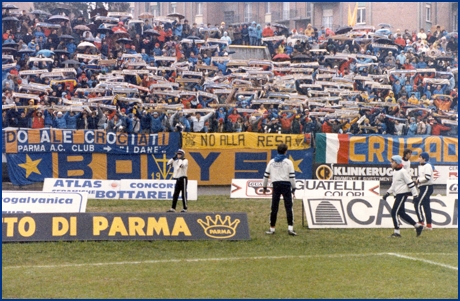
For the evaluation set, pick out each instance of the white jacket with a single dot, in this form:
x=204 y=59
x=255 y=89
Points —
x=402 y=183
x=280 y=171
x=425 y=174
x=180 y=167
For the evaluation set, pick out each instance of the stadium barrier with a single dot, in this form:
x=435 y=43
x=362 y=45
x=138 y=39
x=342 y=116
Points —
x=124 y=226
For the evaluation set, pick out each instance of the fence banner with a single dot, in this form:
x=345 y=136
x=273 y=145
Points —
x=26 y=169
x=244 y=140
x=372 y=212
x=220 y=166
x=43 y=202
x=378 y=149
x=124 y=226
x=86 y=141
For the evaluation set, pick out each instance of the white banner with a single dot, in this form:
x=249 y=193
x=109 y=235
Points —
x=252 y=188
x=155 y=190
x=121 y=189
x=96 y=189
x=372 y=212
x=42 y=202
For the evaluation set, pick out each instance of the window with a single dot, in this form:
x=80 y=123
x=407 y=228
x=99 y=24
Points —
x=327 y=18
x=308 y=14
x=153 y=8
x=247 y=12
x=286 y=15
x=455 y=21
x=267 y=8
x=173 y=7
x=361 y=15
x=428 y=12
x=199 y=8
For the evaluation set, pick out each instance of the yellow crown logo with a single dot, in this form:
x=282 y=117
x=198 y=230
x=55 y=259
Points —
x=219 y=228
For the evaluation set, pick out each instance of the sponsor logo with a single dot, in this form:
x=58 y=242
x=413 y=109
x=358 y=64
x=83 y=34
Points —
x=327 y=212
x=324 y=172
x=218 y=228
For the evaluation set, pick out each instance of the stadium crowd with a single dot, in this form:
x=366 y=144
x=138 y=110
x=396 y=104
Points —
x=153 y=75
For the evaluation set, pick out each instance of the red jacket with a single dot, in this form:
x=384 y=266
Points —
x=38 y=122
x=326 y=127
x=436 y=129
x=286 y=122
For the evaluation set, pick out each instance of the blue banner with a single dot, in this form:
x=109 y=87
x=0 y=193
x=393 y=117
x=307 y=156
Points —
x=142 y=157
x=86 y=141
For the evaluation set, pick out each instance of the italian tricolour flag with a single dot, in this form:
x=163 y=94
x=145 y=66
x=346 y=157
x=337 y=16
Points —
x=332 y=148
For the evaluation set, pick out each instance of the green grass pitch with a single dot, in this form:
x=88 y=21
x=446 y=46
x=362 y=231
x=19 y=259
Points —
x=327 y=263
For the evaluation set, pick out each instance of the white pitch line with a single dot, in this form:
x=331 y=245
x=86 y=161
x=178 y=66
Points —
x=219 y=259
x=424 y=260
x=191 y=260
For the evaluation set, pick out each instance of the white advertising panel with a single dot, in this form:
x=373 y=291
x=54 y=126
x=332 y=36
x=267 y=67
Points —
x=43 y=202
x=154 y=190
x=252 y=188
x=443 y=173
x=121 y=189
x=372 y=212
x=341 y=188
x=96 y=189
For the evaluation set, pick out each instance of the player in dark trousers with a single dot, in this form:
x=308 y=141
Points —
x=402 y=186
x=425 y=184
x=180 y=165
x=281 y=172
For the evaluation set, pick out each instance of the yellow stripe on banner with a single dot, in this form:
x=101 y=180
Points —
x=74 y=172
x=55 y=162
x=79 y=137
x=99 y=166
x=124 y=166
x=34 y=136
x=11 y=143
x=242 y=141
x=144 y=167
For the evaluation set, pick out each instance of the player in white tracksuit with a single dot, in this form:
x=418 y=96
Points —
x=406 y=159
x=401 y=187
x=180 y=165
x=425 y=184
x=281 y=172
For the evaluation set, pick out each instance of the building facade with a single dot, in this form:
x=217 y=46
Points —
x=402 y=15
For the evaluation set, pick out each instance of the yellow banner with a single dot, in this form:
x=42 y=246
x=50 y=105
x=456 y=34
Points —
x=244 y=141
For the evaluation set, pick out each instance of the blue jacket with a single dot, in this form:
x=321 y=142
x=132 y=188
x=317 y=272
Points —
x=156 y=124
x=72 y=120
x=252 y=31
x=61 y=122
x=49 y=118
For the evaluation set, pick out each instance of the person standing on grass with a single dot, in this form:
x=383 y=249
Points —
x=425 y=184
x=401 y=186
x=180 y=165
x=281 y=172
